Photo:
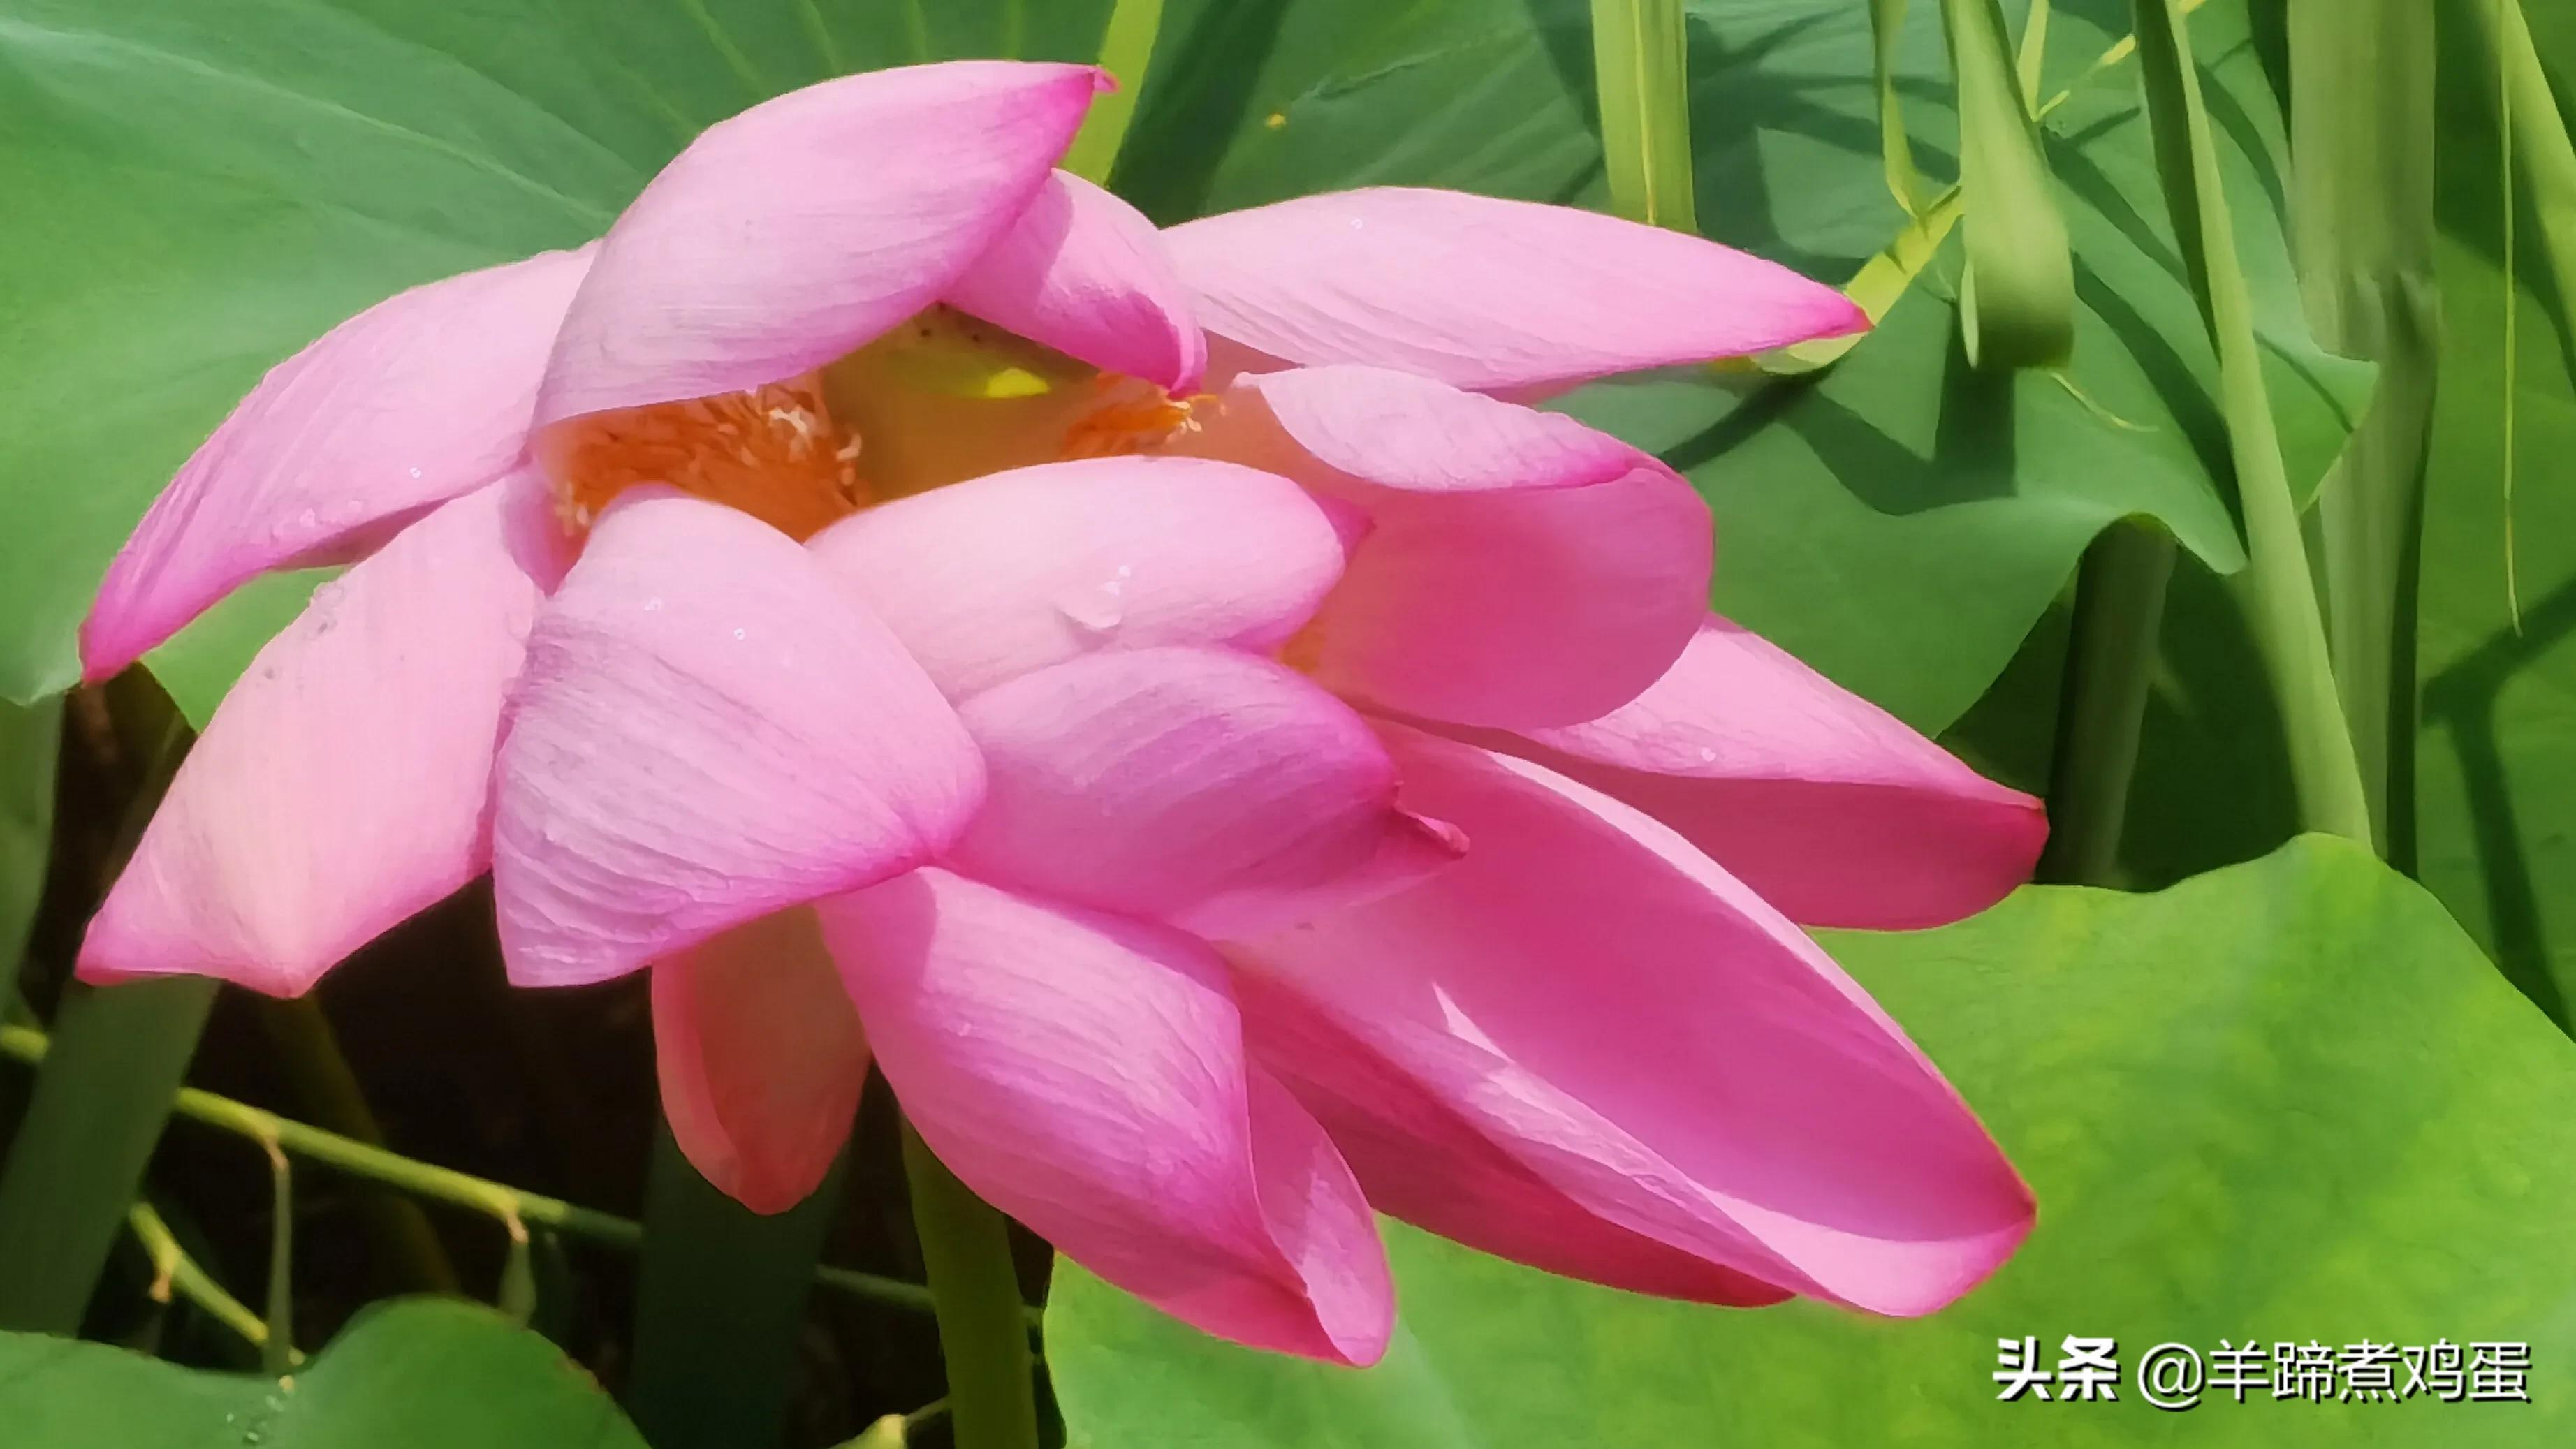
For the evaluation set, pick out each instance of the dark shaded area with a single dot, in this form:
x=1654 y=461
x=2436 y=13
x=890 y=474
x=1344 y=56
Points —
x=2463 y=698
x=551 y=1091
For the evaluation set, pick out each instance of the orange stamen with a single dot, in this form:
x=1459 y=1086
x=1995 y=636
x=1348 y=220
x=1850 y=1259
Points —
x=1129 y=423
x=773 y=452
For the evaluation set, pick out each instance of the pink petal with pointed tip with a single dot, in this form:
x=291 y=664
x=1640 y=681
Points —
x=1638 y=1031
x=760 y=1058
x=342 y=784
x=1826 y=805
x=994 y=577
x=1215 y=791
x=1085 y=273
x=709 y=729
x=421 y=398
x=1488 y=294
x=1521 y=569
x=1422 y=1160
x=796 y=231
x=1085 y=1074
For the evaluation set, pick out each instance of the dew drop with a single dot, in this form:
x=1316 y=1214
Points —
x=653 y=605
x=307 y=518
x=737 y=633
x=1707 y=755
x=415 y=472
x=1098 y=610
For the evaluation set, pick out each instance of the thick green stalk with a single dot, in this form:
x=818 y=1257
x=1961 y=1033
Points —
x=30 y=740
x=1640 y=64
x=495 y=1200
x=1126 y=50
x=77 y=1158
x=2275 y=585
x=2017 y=291
x=2101 y=712
x=30 y=746
x=966 y=1246
x=719 y=1304
x=2361 y=137
x=77 y=1163
x=1896 y=151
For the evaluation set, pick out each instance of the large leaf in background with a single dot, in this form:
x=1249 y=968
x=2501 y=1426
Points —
x=1902 y=522
x=2289 y=1100
x=2496 y=759
x=199 y=187
x=418 y=1374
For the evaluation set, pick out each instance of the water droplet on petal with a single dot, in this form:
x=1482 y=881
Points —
x=307 y=518
x=653 y=605
x=1707 y=755
x=737 y=633
x=415 y=472
x=1098 y=610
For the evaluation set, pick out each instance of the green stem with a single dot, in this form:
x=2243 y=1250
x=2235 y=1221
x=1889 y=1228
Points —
x=176 y=1273
x=2276 y=586
x=77 y=1162
x=278 y=1355
x=97 y=1109
x=1640 y=51
x=2017 y=284
x=2110 y=664
x=966 y=1246
x=1896 y=151
x=2543 y=153
x=495 y=1200
x=2361 y=133
x=719 y=1304
x=2031 y=60
x=30 y=750
x=327 y=1090
x=1126 y=50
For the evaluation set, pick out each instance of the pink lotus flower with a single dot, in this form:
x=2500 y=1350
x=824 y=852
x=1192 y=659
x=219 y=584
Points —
x=1226 y=811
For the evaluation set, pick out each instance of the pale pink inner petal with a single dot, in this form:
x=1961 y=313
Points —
x=1085 y=1074
x=1520 y=569
x=995 y=577
x=1826 y=805
x=1212 y=790
x=342 y=784
x=760 y=1058
x=709 y=729
x=1641 y=1032
x=1084 y=273
x=1487 y=294
x=418 y=399
x=796 y=231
